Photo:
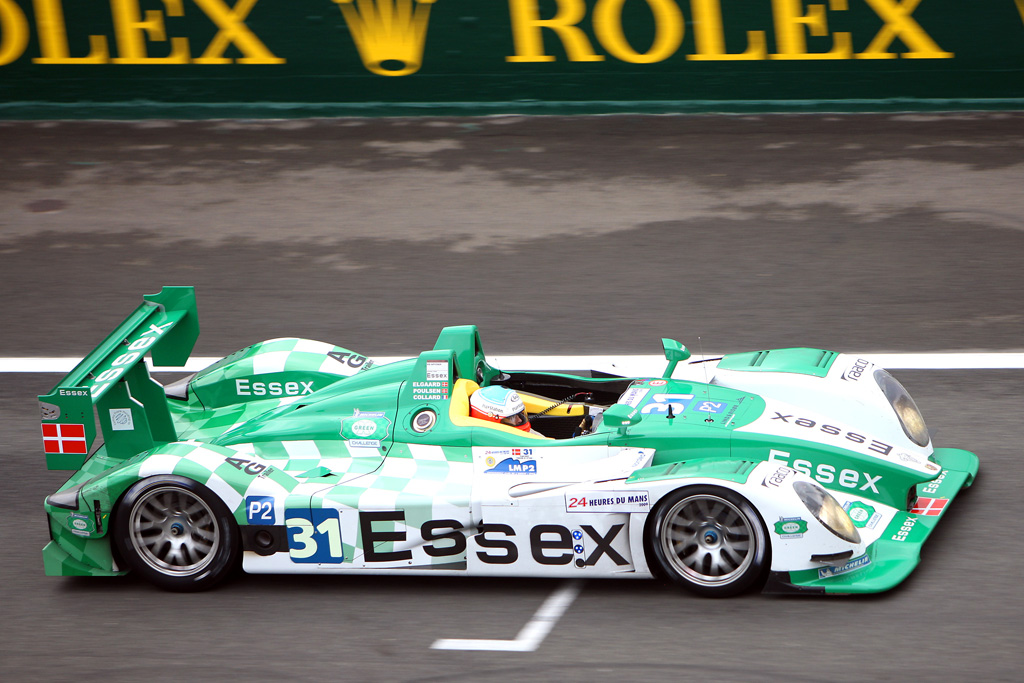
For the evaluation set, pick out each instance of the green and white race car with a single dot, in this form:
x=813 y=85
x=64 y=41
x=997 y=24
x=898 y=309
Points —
x=791 y=470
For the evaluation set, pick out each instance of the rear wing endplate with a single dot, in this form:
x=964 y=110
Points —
x=112 y=380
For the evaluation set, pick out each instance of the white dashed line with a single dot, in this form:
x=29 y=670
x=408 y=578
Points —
x=530 y=636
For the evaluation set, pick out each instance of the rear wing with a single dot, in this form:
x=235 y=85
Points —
x=113 y=381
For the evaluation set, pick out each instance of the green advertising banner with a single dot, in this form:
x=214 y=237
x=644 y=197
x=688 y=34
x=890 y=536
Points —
x=201 y=58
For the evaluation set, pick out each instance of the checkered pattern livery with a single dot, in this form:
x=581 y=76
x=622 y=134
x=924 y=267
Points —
x=425 y=482
x=268 y=367
x=327 y=469
x=208 y=424
x=79 y=556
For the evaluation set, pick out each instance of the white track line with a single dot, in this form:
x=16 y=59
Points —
x=634 y=366
x=530 y=636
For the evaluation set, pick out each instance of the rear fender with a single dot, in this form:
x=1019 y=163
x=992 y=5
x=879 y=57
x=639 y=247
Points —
x=80 y=544
x=228 y=472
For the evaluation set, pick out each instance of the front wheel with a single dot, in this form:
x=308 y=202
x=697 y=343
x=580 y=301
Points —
x=176 y=533
x=709 y=540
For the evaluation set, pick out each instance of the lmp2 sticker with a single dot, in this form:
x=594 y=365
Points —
x=514 y=465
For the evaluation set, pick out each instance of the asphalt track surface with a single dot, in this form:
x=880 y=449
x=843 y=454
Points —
x=561 y=236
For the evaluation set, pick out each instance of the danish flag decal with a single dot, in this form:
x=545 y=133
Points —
x=930 y=507
x=64 y=438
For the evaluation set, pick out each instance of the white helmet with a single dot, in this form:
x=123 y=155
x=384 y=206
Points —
x=501 y=405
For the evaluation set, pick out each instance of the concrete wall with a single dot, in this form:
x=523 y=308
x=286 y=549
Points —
x=199 y=58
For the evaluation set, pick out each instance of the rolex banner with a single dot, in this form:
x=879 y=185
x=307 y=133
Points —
x=197 y=58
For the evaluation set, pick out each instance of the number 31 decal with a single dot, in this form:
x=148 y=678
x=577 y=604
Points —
x=314 y=536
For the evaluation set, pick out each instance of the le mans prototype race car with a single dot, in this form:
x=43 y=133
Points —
x=791 y=470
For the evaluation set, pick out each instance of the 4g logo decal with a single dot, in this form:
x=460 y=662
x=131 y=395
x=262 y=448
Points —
x=249 y=466
x=352 y=360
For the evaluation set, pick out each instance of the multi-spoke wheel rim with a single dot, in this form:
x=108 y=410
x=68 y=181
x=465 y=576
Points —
x=174 y=531
x=707 y=539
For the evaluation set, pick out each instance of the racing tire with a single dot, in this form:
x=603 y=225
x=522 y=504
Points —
x=176 y=533
x=708 y=540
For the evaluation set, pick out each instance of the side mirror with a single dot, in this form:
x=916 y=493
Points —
x=622 y=417
x=674 y=352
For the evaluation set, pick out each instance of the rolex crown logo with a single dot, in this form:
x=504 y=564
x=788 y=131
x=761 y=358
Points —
x=389 y=34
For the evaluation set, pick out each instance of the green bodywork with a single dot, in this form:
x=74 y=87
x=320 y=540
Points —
x=897 y=553
x=802 y=361
x=278 y=411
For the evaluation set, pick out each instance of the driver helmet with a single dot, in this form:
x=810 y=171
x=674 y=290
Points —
x=501 y=405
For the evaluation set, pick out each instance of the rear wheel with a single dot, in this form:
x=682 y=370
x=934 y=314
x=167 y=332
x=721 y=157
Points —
x=176 y=533
x=708 y=540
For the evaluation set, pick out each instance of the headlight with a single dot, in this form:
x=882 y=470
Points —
x=904 y=407
x=827 y=510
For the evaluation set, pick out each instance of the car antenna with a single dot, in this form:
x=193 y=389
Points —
x=707 y=382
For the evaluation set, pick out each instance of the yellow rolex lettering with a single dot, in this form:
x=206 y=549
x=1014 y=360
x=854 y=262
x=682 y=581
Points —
x=899 y=23
x=53 y=38
x=231 y=22
x=13 y=31
x=131 y=32
x=790 y=25
x=668 y=22
x=710 y=38
x=526 y=32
